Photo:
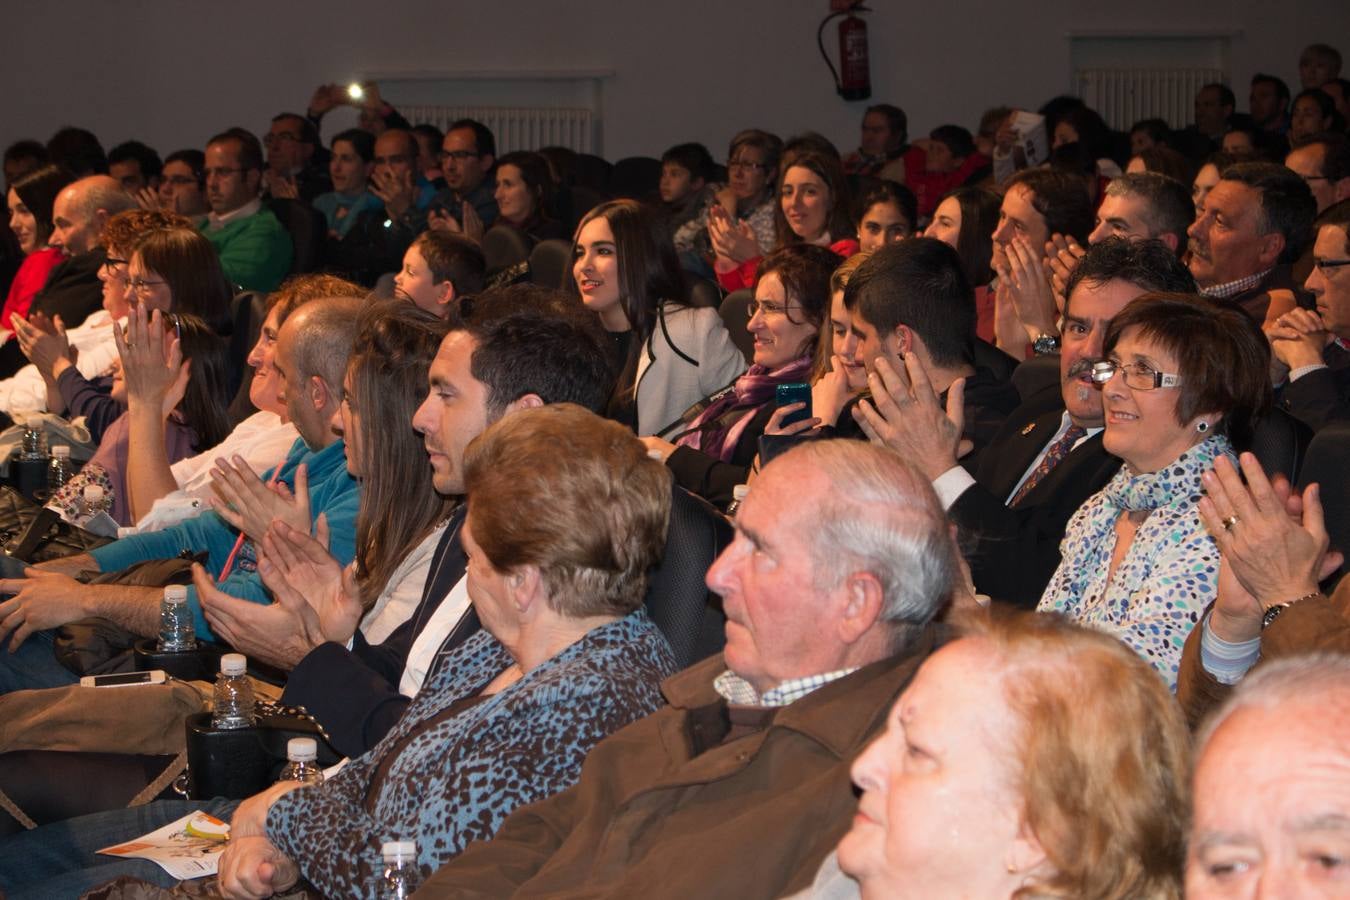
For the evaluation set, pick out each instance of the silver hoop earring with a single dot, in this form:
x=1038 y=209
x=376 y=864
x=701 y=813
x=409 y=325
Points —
x=1202 y=426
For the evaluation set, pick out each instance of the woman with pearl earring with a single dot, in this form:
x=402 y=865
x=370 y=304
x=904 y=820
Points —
x=1184 y=379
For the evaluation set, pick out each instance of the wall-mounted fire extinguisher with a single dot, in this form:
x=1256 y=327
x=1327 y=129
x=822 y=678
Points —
x=851 y=80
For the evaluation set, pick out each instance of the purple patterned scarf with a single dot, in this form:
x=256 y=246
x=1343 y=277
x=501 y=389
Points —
x=718 y=429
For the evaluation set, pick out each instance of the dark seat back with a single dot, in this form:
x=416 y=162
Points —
x=307 y=228
x=504 y=246
x=1280 y=442
x=1325 y=463
x=592 y=171
x=549 y=261
x=702 y=292
x=576 y=202
x=735 y=310
x=247 y=311
x=635 y=177
x=688 y=614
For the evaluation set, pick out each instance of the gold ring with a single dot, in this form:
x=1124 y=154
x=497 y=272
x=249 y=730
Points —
x=1228 y=522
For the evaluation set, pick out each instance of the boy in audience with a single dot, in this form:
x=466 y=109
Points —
x=439 y=269
x=686 y=191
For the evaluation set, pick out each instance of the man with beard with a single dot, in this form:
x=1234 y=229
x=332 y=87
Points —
x=1048 y=457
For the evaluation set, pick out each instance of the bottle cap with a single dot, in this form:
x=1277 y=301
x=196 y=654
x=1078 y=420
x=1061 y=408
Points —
x=126 y=531
x=92 y=493
x=175 y=593
x=395 y=850
x=302 y=750
x=739 y=492
x=61 y=450
x=233 y=664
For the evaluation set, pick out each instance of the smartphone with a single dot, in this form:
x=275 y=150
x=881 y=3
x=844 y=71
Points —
x=355 y=91
x=124 y=679
x=794 y=393
x=11 y=567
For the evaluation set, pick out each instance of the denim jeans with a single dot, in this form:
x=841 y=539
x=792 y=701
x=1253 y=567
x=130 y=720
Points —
x=60 y=859
x=33 y=665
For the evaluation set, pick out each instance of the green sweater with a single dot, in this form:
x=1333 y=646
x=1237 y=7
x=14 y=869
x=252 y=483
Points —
x=255 y=252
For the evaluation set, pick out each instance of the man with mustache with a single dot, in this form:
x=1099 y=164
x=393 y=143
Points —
x=1247 y=233
x=1047 y=458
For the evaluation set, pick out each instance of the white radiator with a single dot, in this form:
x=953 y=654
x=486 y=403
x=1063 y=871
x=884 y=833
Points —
x=517 y=128
x=1124 y=96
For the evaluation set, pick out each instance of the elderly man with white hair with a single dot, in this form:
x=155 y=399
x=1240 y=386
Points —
x=740 y=786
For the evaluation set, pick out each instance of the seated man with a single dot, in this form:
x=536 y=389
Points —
x=482 y=372
x=311 y=359
x=1323 y=162
x=295 y=168
x=1311 y=346
x=136 y=166
x=254 y=247
x=1048 y=457
x=740 y=787
x=73 y=289
x=884 y=150
x=374 y=244
x=911 y=298
x=1271 y=786
x=1318 y=64
x=468 y=154
x=1248 y=231
x=1145 y=206
x=439 y=270
x=1268 y=105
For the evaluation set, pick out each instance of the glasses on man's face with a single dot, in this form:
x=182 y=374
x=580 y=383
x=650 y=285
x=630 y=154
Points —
x=272 y=140
x=179 y=180
x=1325 y=266
x=1138 y=376
x=457 y=155
x=222 y=172
x=741 y=165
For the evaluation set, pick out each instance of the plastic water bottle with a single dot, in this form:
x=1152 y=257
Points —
x=303 y=766
x=401 y=876
x=233 y=702
x=176 y=631
x=738 y=493
x=92 y=499
x=34 y=441
x=58 y=470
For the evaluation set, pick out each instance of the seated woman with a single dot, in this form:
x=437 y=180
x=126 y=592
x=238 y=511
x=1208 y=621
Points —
x=163 y=494
x=1050 y=796
x=741 y=222
x=524 y=196
x=30 y=202
x=401 y=517
x=965 y=219
x=720 y=438
x=192 y=413
x=568 y=656
x=667 y=354
x=813 y=208
x=88 y=347
x=887 y=213
x=1183 y=376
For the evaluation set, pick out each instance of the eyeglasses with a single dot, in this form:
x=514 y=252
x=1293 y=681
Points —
x=396 y=159
x=141 y=286
x=179 y=180
x=1326 y=265
x=222 y=172
x=457 y=155
x=739 y=165
x=1137 y=375
x=766 y=308
x=270 y=140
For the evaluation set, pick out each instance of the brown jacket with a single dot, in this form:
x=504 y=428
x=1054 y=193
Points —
x=652 y=817
x=1313 y=625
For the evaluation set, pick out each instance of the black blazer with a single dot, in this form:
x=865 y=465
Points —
x=1014 y=551
x=354 y=693
x=1321 y=397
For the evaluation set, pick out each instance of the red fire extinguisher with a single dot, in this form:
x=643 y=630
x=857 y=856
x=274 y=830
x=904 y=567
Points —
x=852 y=80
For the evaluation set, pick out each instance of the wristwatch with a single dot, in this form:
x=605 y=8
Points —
x=1045 y=344
x=1274 y=612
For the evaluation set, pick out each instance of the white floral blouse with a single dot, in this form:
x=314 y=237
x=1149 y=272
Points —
x=1168 y=576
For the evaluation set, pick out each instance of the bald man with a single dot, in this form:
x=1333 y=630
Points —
x=73 y=290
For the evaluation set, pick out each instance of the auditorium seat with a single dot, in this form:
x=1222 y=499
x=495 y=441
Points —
x=702 y=292
x=592 y=171
x=549 y=261
x=1325 y=463
x=503 y=247
x=307 y=227
x=735 y=310
x=635 y=177
x=247 y=311
x=1280 y=442
x=678 y=600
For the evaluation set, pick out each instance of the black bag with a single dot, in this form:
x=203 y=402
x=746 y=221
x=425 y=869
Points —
x=36 y=534
x=240 y=762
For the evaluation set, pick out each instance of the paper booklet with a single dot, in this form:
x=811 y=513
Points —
x=188 y=848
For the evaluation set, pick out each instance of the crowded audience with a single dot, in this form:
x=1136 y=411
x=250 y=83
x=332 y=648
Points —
x=931 y=518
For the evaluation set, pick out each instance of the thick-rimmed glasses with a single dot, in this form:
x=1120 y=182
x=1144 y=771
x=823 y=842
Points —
x=1137 y=375
x=1325 y=266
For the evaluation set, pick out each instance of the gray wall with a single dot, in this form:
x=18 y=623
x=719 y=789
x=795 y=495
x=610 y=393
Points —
x=172 y=73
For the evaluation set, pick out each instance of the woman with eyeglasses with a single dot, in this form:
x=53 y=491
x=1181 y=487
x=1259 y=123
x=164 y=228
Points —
x=719 y=438
x=30 y=202
x=1184 y=379
x=813 y=208
x=667 y=353
x=741 y=223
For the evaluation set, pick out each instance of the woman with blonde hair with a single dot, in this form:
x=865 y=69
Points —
x=996 y=778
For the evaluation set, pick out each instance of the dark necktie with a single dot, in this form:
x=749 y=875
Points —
x=1053 y=457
